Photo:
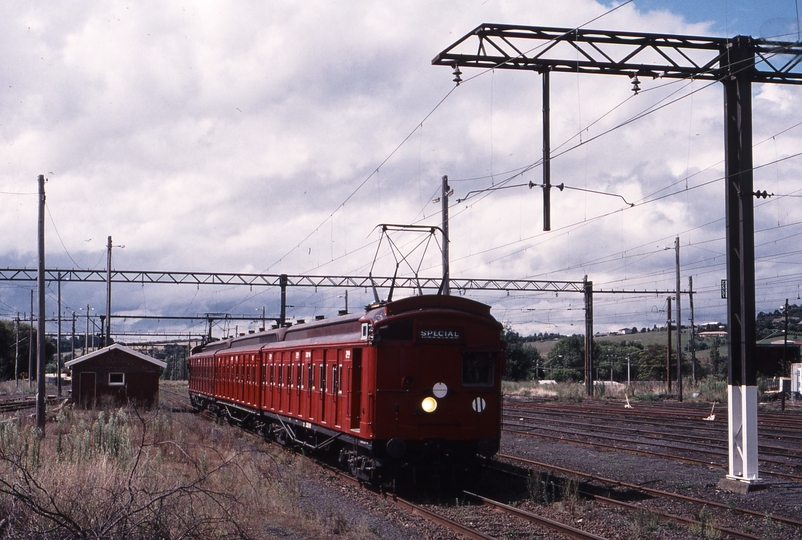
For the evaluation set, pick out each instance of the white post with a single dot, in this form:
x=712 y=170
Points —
x=743 y=433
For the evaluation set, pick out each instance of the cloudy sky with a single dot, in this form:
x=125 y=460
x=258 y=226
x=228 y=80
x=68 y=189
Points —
x=274 y=137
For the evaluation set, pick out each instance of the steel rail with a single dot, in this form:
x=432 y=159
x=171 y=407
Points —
x=13 y=405
x=450 y=524
x=651 y=491
x=680 y=459
x=401 y=503
x=768 y=428
x=649 y=441
x=713 y=441
x=664 y=515
x=557 y=526
x=647 y=414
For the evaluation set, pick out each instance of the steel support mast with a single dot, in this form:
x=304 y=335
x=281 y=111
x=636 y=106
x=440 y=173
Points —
x=736 y=63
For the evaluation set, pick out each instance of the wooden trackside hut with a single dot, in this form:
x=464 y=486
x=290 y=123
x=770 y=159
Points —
x=116 y=375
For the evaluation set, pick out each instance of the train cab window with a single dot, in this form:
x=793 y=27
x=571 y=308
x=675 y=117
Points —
x=400 y=331
x=477 y=369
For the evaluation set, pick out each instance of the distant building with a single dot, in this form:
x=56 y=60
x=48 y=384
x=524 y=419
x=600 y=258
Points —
x=115 y=375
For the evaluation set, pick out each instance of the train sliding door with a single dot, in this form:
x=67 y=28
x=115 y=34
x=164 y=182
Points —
x=329 y=385
x=316 y=379
x=305 y=383
x=354 y=391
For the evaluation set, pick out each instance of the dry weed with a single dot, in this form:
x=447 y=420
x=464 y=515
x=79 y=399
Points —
x=121 y=474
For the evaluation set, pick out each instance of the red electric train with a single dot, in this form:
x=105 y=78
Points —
x=409 y=385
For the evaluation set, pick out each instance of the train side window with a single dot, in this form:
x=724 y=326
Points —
x=477 y=369
x=311 y=375
x=322 y=379
x=281 y=374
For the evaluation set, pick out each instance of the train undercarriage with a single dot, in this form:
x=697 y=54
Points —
x=393 y=464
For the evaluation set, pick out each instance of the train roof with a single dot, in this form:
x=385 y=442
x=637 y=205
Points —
x=348 y=327
x=377 y=312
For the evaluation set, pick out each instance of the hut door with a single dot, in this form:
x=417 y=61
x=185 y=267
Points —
x=88 y=396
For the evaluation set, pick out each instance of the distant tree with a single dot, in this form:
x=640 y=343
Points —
x=8 y=336
x=566 y=360
x=717 y=365
x=567 y=353
x=651 y=363
x=7 y=348
x=521 y=359
x=613 y=355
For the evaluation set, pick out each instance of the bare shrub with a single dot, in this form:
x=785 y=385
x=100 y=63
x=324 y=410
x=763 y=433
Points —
x=117 y=474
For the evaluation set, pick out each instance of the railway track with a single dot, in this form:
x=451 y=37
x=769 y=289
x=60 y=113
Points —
x=477 y=515
x=684 y=437
x=618 y=491
x=784 y=443
x=434 y=513
x=21 y=404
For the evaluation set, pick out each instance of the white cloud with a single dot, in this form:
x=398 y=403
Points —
x=226 y=137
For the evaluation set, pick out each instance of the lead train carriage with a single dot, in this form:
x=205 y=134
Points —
x=412 y=384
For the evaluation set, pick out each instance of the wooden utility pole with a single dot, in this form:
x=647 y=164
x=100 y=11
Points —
x=588 y=286
x=446 y=287
x=668 y=347
x=107 y=332
x=40 y=342
x=16 y=354
x=693 y=330
x=679 y=328
x=58 y=339
x=73 y=335
x=30 y=346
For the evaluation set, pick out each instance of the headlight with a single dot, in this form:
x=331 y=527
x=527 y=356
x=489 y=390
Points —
x=429 y=404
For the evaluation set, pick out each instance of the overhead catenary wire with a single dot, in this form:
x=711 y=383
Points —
x=403 y=142
x=649 y=110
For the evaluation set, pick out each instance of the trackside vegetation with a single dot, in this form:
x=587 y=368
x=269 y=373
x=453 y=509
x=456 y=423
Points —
x=119 y=473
